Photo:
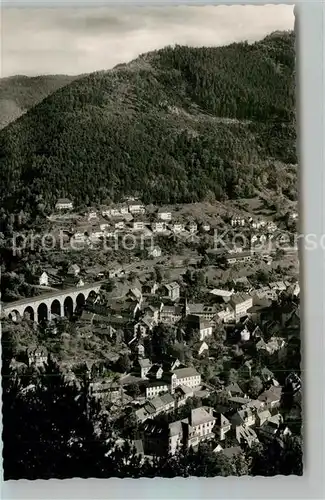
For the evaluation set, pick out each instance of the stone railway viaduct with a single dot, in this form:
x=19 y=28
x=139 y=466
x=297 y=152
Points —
x=43 y=307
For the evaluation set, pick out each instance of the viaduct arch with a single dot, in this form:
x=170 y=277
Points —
x=46 y=306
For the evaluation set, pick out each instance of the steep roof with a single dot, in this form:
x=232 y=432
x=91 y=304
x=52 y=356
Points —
x=200 y=416
x=185 y=372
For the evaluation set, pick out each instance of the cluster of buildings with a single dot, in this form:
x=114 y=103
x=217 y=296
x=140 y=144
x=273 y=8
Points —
x=133 y=217
x=240 y=422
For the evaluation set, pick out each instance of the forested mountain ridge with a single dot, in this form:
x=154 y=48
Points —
x=20 y=93
x=176 y=125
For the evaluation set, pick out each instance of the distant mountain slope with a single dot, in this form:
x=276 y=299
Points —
x=176 y=125
x=20 y=93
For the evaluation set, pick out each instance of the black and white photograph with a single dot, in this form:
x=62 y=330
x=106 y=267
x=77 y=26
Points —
x=150 y=282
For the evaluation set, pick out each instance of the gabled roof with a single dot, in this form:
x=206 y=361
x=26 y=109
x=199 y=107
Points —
x=234 y=387
x=271 y=395
x=63 y=200
x=238 y=298
x=145 y=363
x=185 y=372
x=200 y=416
x=221 y=420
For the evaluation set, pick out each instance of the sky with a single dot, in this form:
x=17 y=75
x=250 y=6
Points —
x=78 y=40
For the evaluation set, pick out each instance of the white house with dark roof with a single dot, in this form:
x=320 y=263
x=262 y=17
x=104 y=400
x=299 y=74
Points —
x=163 y=438
x=64 y=204
x=222 y=426
x=37 y=356
x=74 y=270
x=171 y=314
x=158 y=227
x=136 y=207
x=156 y=387
x=155 y=252
x=240 y=303
x=42 y=279
x=185 y=376
x=172 y=290
x=164 y=214
x=145 y=365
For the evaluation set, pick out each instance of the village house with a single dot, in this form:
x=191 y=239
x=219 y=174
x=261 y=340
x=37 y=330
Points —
x=192 y=227
x=293 y=383
x=243 y=283
x=233 y=389
x=155 y=372
x=185 y=376
x=221 y=296
x=73 y=270
x=275 y=344
x=178 y=227
x=73 y=281
x=245 y=371
x=245 y=417
x=105 y=227
x=239 y=257
x=181 y=395
x=246 y=434
x=273 y=428
x=207 y=312
x=262 y=416
x=294 y=289
x=171 y=314
x=119 y=224
x=271 y=226
x=202 y=325
x=227 y=315
x=144 y=326
x=152 y=311
x=140 y=350
x=205 y=226
x=96 y=235
x=222 y=426
x=240 y=303
x=105 y=390
x=135 y=294
x=136 y=207
x=154 y=252
x=124 y=309
x=79 y=237
x=257 y=223
x=42 y=279
x=150 y=287
x=260 y=311
x=271 y=397
x=170 y=363
x=172 y=290
x=92 y=215
x=201 y=348
x=237 y=221
x=157 y=405
x=163 y=438
x=164 y=214
x=37 y=356
x=155 y=387
x=278 y=286
x=64 y=204
x=138 y=224
x=158 y=227
x=145 y=365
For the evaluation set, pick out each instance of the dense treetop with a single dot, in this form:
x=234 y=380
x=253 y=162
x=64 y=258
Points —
x=179 y=124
